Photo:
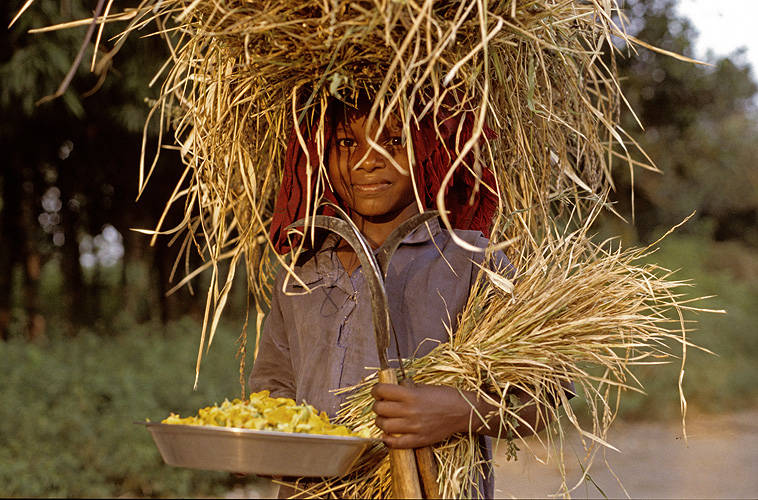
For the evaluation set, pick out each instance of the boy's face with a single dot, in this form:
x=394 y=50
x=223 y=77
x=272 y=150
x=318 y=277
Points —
x=363 y=177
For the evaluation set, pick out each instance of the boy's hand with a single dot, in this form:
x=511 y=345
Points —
x=420 y=416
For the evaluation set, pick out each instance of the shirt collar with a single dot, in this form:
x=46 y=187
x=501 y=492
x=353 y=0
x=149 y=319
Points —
x=423 y=233
x=325 y=263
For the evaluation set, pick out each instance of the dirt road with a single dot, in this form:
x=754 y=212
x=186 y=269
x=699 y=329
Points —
x=719 y=460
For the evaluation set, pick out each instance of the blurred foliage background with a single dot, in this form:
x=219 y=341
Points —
x=91 y=342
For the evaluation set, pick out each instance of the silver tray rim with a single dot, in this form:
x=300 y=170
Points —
x=267 y=453
x=256 y=432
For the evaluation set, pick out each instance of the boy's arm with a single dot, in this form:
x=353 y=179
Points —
x=427 y=414
x=272 y=369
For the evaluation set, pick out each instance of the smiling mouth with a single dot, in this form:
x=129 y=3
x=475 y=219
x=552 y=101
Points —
x=372 y=188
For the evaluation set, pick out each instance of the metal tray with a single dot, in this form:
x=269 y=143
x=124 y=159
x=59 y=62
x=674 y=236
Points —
x=264 y=453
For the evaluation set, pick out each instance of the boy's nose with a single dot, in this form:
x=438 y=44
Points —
x=370 y=160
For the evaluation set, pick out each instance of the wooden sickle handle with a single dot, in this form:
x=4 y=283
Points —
x=405 y=478
x=427 y=470
x=426 y=463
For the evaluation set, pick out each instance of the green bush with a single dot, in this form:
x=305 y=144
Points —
x=726 y=379
x=67 y=422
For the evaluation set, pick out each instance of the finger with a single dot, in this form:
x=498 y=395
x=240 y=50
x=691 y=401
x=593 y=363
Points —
x=403 y=441
x=396 y=426
x=390 y=409
x=390 y=391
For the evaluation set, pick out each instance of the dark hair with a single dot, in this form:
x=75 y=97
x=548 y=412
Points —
x=341 y=111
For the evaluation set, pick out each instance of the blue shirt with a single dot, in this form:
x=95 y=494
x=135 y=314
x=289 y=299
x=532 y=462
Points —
x=315 y=342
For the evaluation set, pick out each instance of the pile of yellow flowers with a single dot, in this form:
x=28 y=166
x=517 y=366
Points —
x=265 y=413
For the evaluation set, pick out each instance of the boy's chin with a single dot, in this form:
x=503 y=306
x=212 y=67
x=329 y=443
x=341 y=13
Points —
x=384 y=217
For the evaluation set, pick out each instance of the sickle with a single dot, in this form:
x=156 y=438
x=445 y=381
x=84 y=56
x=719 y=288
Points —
x=404 y=462
x=379 y=305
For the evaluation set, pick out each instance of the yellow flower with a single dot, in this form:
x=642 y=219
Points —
x=262 y=412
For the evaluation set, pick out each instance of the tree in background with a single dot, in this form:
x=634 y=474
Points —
x=70 y=169
x=700 y=128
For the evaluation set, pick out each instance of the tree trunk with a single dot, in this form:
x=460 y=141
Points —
x=17 y=242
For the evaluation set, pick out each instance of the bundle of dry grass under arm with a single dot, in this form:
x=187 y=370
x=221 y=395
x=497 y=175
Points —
x=576 y=312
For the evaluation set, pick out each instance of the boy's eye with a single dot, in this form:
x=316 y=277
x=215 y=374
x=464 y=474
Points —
x=346 y=142
x=394 y=141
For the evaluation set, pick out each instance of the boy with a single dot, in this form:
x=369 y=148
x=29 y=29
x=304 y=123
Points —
x=313 y=343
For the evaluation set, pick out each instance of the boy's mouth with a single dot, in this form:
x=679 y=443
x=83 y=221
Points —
x=372 y=187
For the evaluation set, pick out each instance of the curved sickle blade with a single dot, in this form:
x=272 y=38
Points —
x=387 y=250
x=405 y=470
x=375 y=267
x=379 y=305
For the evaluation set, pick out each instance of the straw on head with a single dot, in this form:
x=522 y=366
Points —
x=244 y=72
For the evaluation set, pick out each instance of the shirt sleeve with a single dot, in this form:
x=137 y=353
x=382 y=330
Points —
x=272 y=368
x=497 y=262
